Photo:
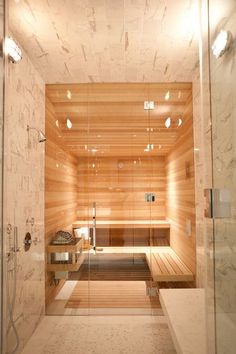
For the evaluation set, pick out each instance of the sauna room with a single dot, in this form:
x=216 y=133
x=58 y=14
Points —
x=120 y=192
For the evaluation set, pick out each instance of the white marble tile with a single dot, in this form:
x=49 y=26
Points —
x=185 y=310
x=108 y=41
x=24 y=193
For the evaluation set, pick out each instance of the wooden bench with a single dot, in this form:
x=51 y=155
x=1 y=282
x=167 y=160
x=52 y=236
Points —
x=166 y=266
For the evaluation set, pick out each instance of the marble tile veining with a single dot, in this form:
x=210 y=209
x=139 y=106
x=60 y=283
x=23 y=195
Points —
x=108 y=41
x=24 y=195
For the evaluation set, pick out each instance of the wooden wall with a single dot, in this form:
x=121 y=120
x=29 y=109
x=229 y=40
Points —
x=118 y=185
x=60 y=186
x=180 y=196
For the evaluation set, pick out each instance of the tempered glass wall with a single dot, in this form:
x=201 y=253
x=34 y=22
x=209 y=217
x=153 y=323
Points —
x=222 y=16
x=2 y=21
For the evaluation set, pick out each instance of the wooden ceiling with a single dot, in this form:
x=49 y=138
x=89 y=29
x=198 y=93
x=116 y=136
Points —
x=110 y=120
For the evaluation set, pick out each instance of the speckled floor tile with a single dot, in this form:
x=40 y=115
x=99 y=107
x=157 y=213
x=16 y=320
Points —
x=101 y=335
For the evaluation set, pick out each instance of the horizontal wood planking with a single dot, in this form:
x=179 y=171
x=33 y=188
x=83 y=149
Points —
x=168 y=267
x=61 y=192
x=180 y=194
x=118 y=186
x=112 y=116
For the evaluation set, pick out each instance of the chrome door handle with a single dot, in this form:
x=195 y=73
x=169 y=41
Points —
x=217 y=203
x=94 y=226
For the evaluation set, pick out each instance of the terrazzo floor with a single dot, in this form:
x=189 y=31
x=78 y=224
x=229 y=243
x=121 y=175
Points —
x=101 y=335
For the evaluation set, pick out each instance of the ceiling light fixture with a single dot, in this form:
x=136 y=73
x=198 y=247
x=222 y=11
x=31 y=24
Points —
x=68 y=94
x=168 y=122
x=149 y=147
x=179 y=122
x=221 y=43
x=13 y=50
x=167 y=95
x=69 y=123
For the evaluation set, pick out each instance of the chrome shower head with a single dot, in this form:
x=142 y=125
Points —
x=41 y=135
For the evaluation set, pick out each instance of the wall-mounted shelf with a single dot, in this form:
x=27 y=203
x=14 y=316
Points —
x=73 y=260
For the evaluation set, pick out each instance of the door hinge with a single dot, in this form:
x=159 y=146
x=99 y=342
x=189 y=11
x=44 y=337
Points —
x=217 y=203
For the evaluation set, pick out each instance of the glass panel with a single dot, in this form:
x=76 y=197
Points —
x=1 y=167
x=2 y=314
x=118 y=180
x=222 y=15
x=67 y=149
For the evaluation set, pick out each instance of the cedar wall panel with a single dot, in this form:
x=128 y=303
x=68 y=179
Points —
x=61 y=177
x=180 y=195
x=118 y=186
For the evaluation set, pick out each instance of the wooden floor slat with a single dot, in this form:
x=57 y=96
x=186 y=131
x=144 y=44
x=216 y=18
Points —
x=111 y=294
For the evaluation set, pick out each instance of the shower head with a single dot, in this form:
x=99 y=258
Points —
x=41 y=135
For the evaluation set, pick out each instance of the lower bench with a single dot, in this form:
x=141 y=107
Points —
x=166 y=266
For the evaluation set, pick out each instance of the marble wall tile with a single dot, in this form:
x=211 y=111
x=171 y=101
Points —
x=223 y=98
x=24 y=194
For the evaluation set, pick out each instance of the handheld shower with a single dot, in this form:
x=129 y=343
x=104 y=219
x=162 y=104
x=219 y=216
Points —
x=41 y=135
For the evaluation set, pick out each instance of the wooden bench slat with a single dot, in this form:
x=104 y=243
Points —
x=168 y=264
x=171 y=260
x=181 y=265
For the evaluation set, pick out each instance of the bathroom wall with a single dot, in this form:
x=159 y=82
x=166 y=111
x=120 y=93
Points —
x=223 y=107
x=180 y=194
x=24 y=194
x=61 y=196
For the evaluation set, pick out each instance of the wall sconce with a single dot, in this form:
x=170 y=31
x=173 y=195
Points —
x=13 y=50
x=221 y=43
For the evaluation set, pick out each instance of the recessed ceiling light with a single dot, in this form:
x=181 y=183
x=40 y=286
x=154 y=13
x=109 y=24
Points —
x=68 y=94
x=69 y=123
x=179 y=122
x=221 y=43
x=93 y=150
x=167 y=95
x=13 y=50
x=168 y=122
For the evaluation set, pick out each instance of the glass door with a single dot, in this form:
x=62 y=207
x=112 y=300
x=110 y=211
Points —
x=118 y=182
x=222 y=17
x=2 y=33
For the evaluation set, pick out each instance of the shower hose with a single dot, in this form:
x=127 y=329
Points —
x=11 y=304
